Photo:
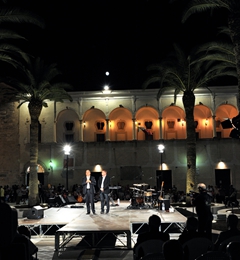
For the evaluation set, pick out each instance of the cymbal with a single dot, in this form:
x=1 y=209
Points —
x=138 y=185
x=133 y=188
x=144 y=184
x=150 y=189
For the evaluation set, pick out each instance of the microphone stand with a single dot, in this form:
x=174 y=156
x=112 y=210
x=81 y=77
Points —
x=111 y=199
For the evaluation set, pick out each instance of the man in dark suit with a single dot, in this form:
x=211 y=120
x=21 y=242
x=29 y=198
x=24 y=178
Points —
x=202 y=202
x=88 y=184
x=103 y=184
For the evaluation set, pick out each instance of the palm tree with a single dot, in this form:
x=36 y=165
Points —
x=185 y=73
x=41 y=84
x=233 y=9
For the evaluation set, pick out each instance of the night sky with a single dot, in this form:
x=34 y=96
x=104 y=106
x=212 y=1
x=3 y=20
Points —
x=88 y=38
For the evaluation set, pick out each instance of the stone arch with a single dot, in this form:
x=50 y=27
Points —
x=120 y=124
x=173 y=123
x=95 y=125
x=147 y=117
x=204 y=123
x=67 y=126
x=43 y=172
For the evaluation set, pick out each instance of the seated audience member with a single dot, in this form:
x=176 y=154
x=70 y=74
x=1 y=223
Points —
x=23 y=230
x=154 y=223
x=9 y=234
x=6 y=227
x=233 y=250
x=232 y=222
x=190 y=230
x=172 y=249
x=22 y=238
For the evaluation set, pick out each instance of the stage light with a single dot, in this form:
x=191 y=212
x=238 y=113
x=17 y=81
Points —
x=233 y=123
x=226 y=124
x=235 y=133
x=236 y=121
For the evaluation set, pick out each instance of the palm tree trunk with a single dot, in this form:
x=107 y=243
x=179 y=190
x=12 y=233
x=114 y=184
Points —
x=34 y=110
x=189 y=102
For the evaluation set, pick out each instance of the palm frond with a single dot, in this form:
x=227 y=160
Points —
x=8 y=15
x=197 y=6
x=9 y=34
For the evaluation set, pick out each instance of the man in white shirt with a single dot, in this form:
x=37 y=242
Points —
x=103 y=184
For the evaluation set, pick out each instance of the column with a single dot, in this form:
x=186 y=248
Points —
x=134 y=128
x=81 y=131
x=160 y=128
x=107 y=130
x=214 y=126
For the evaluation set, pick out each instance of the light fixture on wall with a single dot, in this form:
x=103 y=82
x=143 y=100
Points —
x=206 y=122
x=106 y=90
x=221 y=165
x=51 y=165
x=84 y=124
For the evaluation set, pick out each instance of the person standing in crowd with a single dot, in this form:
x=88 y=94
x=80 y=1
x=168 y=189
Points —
x=103 y=184
x=202 y=202
x=2 y=192
x=232 y=196
x=88 y=184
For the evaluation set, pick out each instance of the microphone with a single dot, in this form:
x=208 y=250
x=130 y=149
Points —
x=112 y=177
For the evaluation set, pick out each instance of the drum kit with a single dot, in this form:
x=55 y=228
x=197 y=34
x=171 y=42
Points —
x=142 y=197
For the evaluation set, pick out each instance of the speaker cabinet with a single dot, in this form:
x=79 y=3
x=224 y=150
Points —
x=36 y=212
x=70 y=200
x=166 y=202
x=60 y=201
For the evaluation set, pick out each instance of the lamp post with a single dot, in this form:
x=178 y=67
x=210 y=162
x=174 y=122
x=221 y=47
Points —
x=161 y=148
x=67 y=149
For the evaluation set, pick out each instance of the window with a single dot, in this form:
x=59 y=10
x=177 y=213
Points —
x=100 y=137
x=100 y=125
x=69 y=126
x=69 y=132
x=69 y=138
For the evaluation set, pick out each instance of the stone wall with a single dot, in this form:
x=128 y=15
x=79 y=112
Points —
x=9 y=143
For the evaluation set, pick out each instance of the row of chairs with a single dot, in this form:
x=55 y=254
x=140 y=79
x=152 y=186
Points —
x=196 y=248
